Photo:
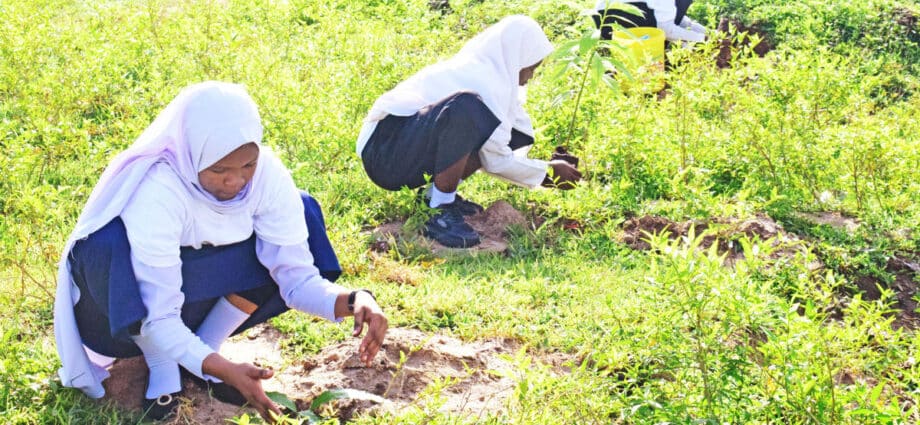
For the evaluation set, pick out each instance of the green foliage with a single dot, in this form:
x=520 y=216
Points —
x=827 y=121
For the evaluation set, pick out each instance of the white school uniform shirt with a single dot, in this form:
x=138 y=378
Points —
x=182 y=220
x=488 y=65
x=665 y=12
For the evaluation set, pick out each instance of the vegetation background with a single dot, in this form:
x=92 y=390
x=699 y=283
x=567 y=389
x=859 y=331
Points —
x=827 y=121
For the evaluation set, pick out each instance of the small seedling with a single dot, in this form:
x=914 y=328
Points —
x=292 y=415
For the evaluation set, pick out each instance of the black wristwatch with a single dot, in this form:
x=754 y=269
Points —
x=354 y=294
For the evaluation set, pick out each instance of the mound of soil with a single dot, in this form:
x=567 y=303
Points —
x=491 y=224
x=637 y=232
x=472 y=376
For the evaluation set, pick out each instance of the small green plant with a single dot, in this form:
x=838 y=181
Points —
x=593 y=62
x=293 y=415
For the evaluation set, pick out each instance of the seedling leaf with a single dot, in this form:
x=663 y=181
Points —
x=330 y=395
x=281 y=399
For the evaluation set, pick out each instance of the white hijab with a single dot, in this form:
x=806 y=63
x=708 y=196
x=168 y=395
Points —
x=204 y=123
x=489 y=65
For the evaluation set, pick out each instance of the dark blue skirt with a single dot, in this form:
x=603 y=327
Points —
x=110 y=308
x=402 y=151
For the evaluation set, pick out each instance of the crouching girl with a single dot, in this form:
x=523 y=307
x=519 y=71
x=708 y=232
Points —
x=192 y=234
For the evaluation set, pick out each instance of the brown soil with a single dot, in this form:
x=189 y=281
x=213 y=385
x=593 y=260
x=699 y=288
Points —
x=471 y=378
x=906 y=18
x=725 y=233
x=831 y=218
x=491 y=224
x=723 y=59
x=905 y=270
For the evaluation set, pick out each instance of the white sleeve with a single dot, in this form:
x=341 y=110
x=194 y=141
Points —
x=299 y=281
x=673 y=32
x=692 y=25
x=154 y=218
x=161 y=292
x=498 y=159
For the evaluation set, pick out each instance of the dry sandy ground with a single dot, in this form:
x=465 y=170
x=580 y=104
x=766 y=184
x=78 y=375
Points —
x=472 y=378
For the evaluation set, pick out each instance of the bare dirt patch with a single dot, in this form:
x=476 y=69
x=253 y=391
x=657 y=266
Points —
x=725 y=233
x=833 y=219
x=904 y=270
x=902 y=267
x=491 y=224
x=473 y=379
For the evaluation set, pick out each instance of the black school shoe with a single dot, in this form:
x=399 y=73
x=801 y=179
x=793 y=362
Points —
x=161 y=407
x=221 y=391
x=465 y=206
x=448 y=228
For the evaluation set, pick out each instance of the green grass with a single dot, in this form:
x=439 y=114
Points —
x=827 y=121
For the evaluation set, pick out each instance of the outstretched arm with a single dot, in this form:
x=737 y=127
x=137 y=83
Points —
x=302 y=288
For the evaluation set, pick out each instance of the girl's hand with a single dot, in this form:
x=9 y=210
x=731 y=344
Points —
x=368 y=312
x=562 y=175
x=247 y=379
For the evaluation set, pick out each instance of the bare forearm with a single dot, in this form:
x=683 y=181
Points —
x=341 y=305
x=218 y=366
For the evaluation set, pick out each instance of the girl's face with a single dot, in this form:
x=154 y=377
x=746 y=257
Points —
x=527 y=73
x=227 y=177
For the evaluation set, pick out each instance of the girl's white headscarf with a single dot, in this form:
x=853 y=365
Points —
x=204 y=123
x=489 y=65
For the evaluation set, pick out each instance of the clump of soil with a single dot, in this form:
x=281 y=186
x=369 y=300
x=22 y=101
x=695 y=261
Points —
x=764 y=46
x=410 y=361
x=491 y=224
x=903 y=268
x=128 y=381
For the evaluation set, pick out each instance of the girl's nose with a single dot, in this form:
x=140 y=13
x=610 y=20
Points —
x=235 y=181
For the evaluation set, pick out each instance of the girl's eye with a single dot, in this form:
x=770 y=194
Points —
x=217 y=170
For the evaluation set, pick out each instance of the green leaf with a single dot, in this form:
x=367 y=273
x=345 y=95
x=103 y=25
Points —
x=876 y=393
x=281 y=399
x=349 y=393
x=563 y=50
x=597 y=71
x=312 y=418
x=586 y=44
